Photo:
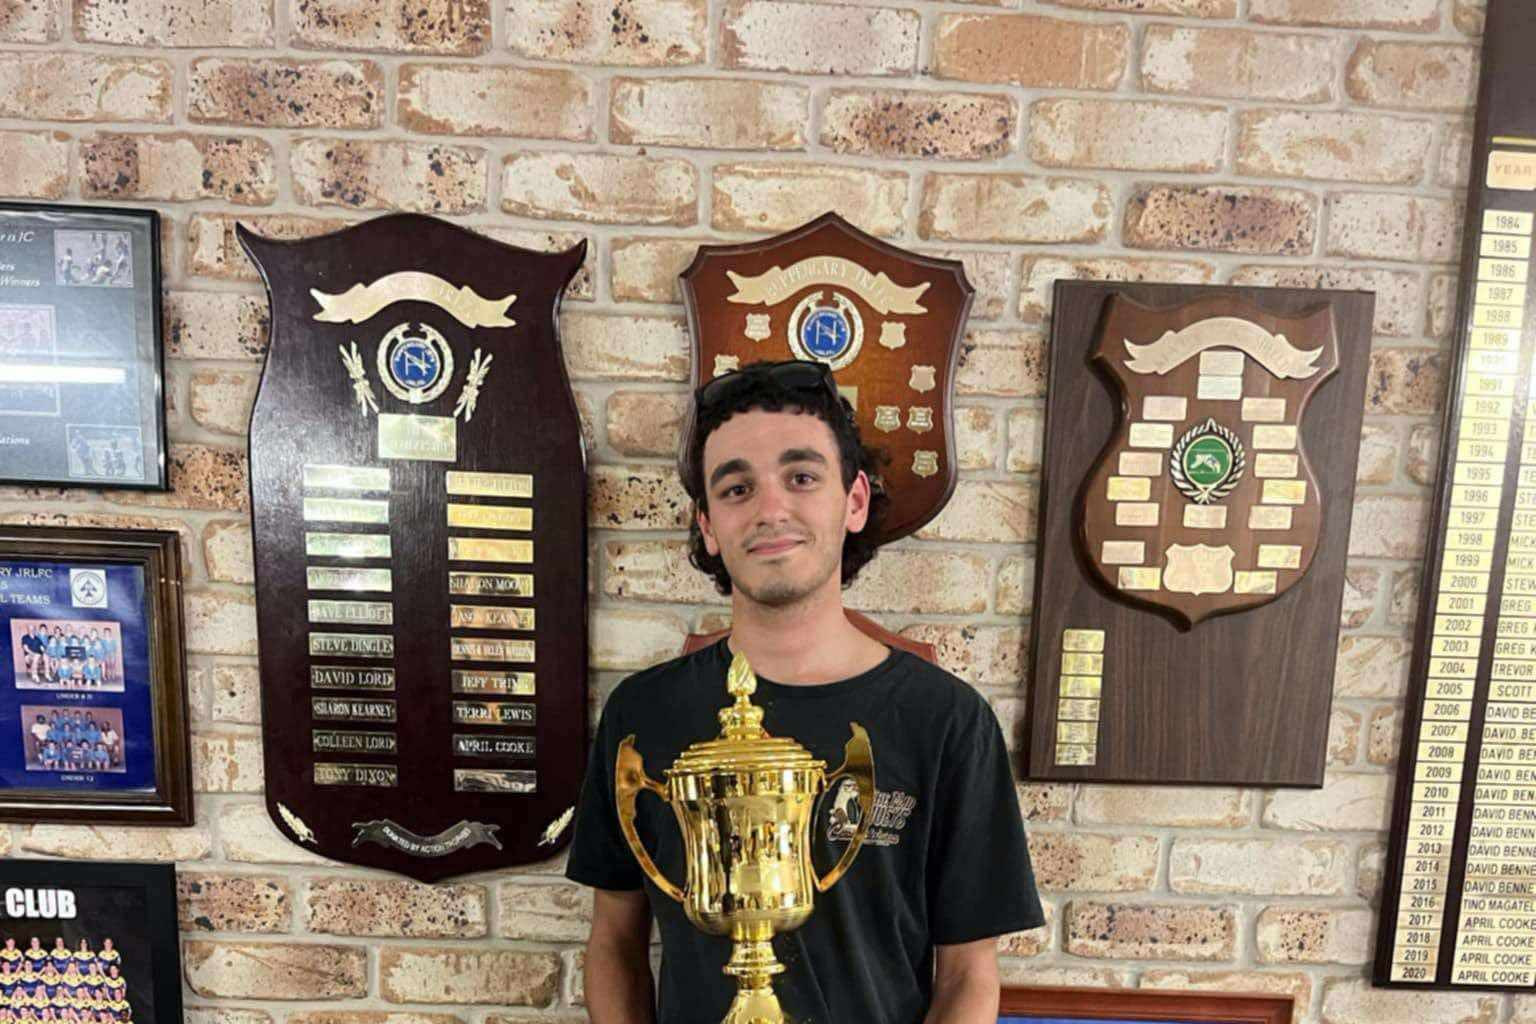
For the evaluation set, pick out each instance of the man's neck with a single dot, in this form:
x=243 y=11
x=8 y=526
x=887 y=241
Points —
x=804 y=644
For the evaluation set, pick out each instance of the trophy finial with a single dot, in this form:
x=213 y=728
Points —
x=742 y=720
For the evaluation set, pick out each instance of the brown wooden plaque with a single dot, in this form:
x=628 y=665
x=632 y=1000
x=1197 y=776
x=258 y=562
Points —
x=1195 y=507
x=886 y=321
x=418 y=485
x=1458 y=903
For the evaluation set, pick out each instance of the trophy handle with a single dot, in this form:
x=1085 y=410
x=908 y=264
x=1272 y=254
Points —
x=628 y=780
x=859 y=765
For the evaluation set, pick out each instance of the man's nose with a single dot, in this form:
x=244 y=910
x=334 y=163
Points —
x=772 y=503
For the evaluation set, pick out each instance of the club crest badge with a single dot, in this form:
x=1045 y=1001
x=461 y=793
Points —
x=811 y=294
x=415 y=363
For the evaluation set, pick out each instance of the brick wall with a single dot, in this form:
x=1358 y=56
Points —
x=1271 y=142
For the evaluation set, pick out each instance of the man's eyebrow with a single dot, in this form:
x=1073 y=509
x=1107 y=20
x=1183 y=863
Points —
x=726 y=468
x=801 y=455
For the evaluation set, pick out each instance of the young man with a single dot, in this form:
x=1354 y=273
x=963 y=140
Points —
x=782 y=491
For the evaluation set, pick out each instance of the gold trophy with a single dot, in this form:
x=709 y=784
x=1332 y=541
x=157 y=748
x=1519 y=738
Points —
x=744 y=803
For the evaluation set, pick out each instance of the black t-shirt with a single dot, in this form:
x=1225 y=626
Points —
x=944 y=861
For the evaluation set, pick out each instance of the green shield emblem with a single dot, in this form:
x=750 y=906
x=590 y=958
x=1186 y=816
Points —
x=1207 y=462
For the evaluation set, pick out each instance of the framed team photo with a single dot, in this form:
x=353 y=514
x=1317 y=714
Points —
x=93 y=700
x=82 y=400
x=88 y=942
x=1140 y=1006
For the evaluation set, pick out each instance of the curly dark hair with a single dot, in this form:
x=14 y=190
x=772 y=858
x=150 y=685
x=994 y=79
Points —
x=762 y=392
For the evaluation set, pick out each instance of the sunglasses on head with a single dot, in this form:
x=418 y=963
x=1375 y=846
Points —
x=790 y=375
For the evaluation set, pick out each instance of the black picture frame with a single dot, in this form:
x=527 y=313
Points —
x=87 y=902
x=1026 y=1005
x=70 y=310
x=145 y=778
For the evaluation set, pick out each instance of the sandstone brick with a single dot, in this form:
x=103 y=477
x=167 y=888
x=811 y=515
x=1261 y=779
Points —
x=911 y=124
x=1393 y=227
x=333 y=94
x=645 y=422
x=709 y=113
x=275 y=970
x=1378 y=455
x=1440 y=311
x=1413 y=76
x=539 y=1018
x=1135 y=931
x=224 y=1015
x=84 y=87
x=1259 y=867
x=1033 y=942
x=1009 y=363
x=655 y=571
x=576 y=978
x=1387 y=526
x=1031 y=974
x=221 y=400
x=649 y=33
x=990 y=273
x=1031 y=50
x=178 y=167
x=468 y=99
x=236 y=694
x=219 y=622
x=1088 y=862
x=213 y=250
x=1403 y=606
x=1314 y=936
x=1343 y=737
x=1385 y=737
x=628 y=640
x=1454 y=168
x=1354 y=1001
x=636 y=498
x=123 y=842
x=1186 y=8
x=986 y=511
x=1331 y=145
x=1221 y=218
x=371 y=175
x=1347 y=802
x=1361 y=585
x=37 y=166
x=1127 y=135
x=30 y=21
x=233 y=903
x=1014 y=208
x=149 y=23
x=1237 y=64
x=227 y=762
x=1401 y=15
x=1470 y=17
x=777 y=197
x=215 y=325
x=1397 y=291
x=645 y=268
x=976 y=437
x=981 y=655
x=1039 y=274
x=457 y=27
x=921 y=582
x=598 y=346
x=248 y=836
x=818 y=38
x=544 y=913
x=410 y=974
x=1016 y=585
x=1292 y=983
x=1372 y=666
x=395 y=907
x=1164 y=806
x=600 y=187
x=1405 y=381
x=1044 y=801
x=375 y=1017
x=202 y=477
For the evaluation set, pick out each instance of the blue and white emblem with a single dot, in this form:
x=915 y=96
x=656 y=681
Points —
x=415 y=363
x=826 y=332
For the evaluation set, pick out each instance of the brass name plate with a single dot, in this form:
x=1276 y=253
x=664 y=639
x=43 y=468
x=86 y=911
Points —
x=352 y=645
x=515 y=684
x=370 y=613
x=512 y=747
x=484 y=549
x=490 y=485
x=491 y=584
x=1511 y=171
x=347 y=478
x=425 y=438
x=330 y=774
x=489 y=780
x=346 y=545
x=336 y=741
x=346 y=510
x=336 y=677
x=489 y=616
x=325 y=577
x=490 y=517
x=476 y=712
x=465 y=649
x=355 y=709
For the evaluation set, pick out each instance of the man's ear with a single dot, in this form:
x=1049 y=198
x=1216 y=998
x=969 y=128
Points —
x=710 y=543
x=858 y=503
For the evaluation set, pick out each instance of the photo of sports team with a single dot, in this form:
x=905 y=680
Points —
x=58 y=739
x=82 y=985
x=101 y=259
x=67 y=654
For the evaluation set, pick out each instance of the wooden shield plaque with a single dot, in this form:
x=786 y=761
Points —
x=886 y=321
x=1195 y=511
x=417 y=485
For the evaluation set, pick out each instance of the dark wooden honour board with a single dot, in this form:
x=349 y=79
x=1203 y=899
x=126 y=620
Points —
x=418 y=494
x=1458 y=905
x=1195 y=506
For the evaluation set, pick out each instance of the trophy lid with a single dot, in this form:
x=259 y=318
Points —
x=744 y=745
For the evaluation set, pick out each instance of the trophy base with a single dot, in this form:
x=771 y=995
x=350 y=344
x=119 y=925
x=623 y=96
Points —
x=755 y=1006
x=753 y=965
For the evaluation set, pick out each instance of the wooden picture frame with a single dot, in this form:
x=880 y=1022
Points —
x=93 y=694
x=1026 y=1005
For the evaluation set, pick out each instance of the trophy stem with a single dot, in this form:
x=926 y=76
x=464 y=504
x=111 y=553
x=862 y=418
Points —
x=753 y=965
